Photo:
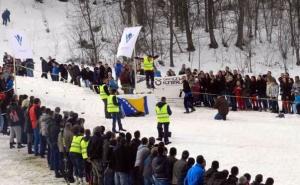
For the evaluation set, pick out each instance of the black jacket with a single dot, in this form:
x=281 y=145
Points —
x=186 y=87
x=95 y=147
x=161 y=167
x=53 y=131
x=121 y=155
x=45 y=67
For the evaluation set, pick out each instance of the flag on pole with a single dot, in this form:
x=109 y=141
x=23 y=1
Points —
x=128 y=41
x=20 y=45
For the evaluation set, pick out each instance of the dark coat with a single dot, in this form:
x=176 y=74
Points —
x=209 y=175
x=161 y=167
x=53 y=131
x=95 y=147
x=261 y=86
x=232 y=180
x=45 y=67
x=14 y=115
x=121 y=156
x=222 y=105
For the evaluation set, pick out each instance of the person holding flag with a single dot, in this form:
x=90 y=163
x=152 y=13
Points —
x=149 y=67
x=104 y=93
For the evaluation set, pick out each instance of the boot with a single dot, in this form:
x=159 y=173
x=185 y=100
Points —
x=11 y=145
x=29 y=147
x=20 y=146
x=81 y=182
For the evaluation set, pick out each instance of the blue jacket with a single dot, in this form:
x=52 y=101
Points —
x=55 y=70
x=9 y=85
x=118 y=69
x=195 y=176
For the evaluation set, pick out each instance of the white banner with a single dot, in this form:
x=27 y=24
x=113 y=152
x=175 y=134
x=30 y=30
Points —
x=20 y=45
x=164 y=86
x=128 y=41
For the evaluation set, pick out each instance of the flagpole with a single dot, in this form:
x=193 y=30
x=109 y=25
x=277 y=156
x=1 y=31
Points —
x=135 y=68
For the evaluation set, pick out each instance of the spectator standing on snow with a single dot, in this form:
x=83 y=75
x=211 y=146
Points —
x=188 y=97
x=179 y=167
x=195 y=175
x=223 y=108
x=163 y=112
x=29 y=64
x=118 y=69
x=55 y=72
x=34 y=115
x=272 y=93
x=5 y=17
x=45 y=68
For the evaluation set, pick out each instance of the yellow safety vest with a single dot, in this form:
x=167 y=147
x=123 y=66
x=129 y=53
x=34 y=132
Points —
x=148 y=64
x=162 y=114
x=111 y=107
x=75 y=146
x=103 y=94
x=84 y=144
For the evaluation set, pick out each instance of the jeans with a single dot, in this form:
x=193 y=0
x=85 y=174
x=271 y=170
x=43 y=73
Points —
x=77 y=162
x=29 y=142
x=116 y=118
x=149 y=77
x=1 y=122
x=97 y=169
x=121 y=178
x=161 y=182
x=148 y=181
x=274 y=105
x=43 y=143
x=29 y=72
x=163 y=131
x=220 y=117
x=188 y=102
x=54 y=158
x=87 y=83
x=108 y=177
x=36 y=136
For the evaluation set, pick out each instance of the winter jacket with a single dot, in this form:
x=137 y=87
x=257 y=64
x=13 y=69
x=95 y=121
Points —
x=55 y=71
x=272 y=90
x=171 y=161
x=147 y=170
x=142 y=153
x=209 y=175
x=161 y=167
x=9 y=85
x=53 y=131
x=95 y=147
x=28 y=125
x=133 y=147
x=105 y=150
x=222 y=105
x=296 y=88
x=232 y=180
x=68 y=137
x=178 y=169
x=186 y=87
x=261 y=86
x=118 y=69
x=218 y=178
x=14 y=115
x=43 y=124
x=121 y=155
x=84 y=74
x=195 y=175
x=34 y=114
x=45 y=67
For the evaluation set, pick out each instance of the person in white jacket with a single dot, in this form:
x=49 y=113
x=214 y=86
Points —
x=272 y=93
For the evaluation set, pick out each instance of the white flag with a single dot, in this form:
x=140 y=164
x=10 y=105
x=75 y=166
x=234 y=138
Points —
x=20 y=45
x=128 y=41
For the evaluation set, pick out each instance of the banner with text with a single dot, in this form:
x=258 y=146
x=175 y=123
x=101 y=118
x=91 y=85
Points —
x=164 y=86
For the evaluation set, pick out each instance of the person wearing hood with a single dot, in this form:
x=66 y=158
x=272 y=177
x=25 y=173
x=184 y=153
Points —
x=163 y=112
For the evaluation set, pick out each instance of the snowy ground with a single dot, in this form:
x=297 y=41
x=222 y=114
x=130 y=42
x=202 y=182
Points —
x=256 y=142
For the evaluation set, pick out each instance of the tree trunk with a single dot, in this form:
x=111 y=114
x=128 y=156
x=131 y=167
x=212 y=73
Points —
x=176 y=12
x=187 y=26
x=128 y=10
x=240 y=38
x=171 y=32
x=140 y=12
x=206 y=13
x=213 y=42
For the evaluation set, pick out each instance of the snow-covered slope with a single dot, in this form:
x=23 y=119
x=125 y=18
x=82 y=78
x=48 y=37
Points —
x=257 y=142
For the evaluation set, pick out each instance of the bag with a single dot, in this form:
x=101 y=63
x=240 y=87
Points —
x=14 y=116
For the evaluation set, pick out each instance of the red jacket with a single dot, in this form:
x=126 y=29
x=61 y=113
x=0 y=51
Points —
x=237 y=91
x=34 y=114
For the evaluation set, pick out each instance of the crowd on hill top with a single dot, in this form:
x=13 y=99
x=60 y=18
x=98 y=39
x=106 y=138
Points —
x=243 y=92
x=102 y=157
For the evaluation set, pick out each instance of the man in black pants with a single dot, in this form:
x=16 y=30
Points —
x=188 y=97
x=163 y=113
x=148 y=62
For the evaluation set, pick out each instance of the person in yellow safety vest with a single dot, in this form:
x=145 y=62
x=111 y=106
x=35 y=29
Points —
x=76 y=153
x=104 y=93
x=84 y=145
x=163 y=112
x=148 y=62
x=113 y=108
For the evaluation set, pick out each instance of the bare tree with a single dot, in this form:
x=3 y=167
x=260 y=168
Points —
x=240 y=24
x=210 y=7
